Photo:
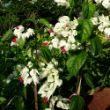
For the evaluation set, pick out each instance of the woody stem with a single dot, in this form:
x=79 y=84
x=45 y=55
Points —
x=35 y=97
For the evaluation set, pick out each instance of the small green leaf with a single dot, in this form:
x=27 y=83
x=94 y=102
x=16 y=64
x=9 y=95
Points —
x=21 y=42
x=77 y=103
x=46 y=53
x=75 y=63
x=88 y=9
x=44 y=22
x=88 y=80
x=96 y=46
x=86 y=30
x=2 y=100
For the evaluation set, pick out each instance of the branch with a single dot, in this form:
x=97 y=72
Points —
x=35 y=97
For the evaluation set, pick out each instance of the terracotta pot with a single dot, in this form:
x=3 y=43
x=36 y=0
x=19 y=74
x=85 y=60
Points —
x=100 y=100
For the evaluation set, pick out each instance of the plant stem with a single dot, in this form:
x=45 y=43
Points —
x=78 y=88
x=79 y=85
x=35 y=97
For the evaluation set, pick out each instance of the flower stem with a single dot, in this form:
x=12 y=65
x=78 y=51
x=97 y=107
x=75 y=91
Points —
x=35 y=97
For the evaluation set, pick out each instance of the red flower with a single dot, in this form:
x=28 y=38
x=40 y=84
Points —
x=45 y=99
x=20 y=79
x=63 y=50
x=14 y=39
x=45 y=43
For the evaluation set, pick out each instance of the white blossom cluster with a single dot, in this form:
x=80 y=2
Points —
x=63 y=34
x=20 y=33
x=105 y=3
x=28 y=74
x=50 y=72
x=60 y=102
x=103 y=24
x=62 y=2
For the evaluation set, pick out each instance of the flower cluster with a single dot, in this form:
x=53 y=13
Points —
x=28 y=74
x=63 y=34
x=60 y=102
x=20 y=34
x=50 y=72
x=103 y=24
x=62 y=2
x=105 y=3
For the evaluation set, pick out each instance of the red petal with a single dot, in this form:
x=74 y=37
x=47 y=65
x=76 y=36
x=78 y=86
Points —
x=45 y=99
x=14 y=39
x=45 y=43
x=20 y=79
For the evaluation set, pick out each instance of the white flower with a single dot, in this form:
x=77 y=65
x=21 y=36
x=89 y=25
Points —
x=48 y=109
x=107 y=32
x=41 y=64
x=30 y=31
x=71 y=39
x=98 y=1
x=52 y=82
x=24 y=71
x=34 y=74
x=94 y=20
x=62 y=2
x=62 y=43
x=75 y=21
x=101 y=28
x=58 y=27
x=62 y=105
x=54 y=62
x=55 y=42
x=64 y=19
x=25 y=76
x=104 y=20
x=106 y=4
x=17 y=33
x=27 y=81
x=19 y=28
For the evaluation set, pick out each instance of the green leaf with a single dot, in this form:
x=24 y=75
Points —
x=88 y=9
x=75 y=63
x=77 y=103
x=46 y=53
x=7 y=35
x=19 y=103
x=88 y=80
x=86 y=30
x=96 y=46
x=2 y=100
x=44 y=22
x=21 y=42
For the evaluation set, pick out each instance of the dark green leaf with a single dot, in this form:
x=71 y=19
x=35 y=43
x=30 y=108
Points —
x=19 y=103
x=77 y=103
x=96 y=46
x=88 y=80
x=7 y=35
x=75 y=63
x=46 y=53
